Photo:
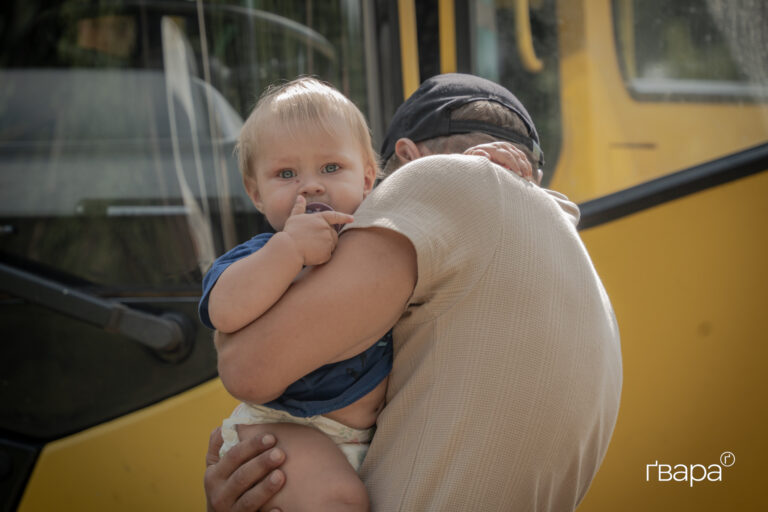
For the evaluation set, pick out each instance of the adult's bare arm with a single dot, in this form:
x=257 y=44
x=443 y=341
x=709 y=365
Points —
x=335 y=312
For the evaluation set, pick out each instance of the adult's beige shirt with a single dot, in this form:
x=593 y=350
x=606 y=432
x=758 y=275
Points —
x=507 y=370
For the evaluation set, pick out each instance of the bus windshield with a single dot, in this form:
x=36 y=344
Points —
x=118 y=122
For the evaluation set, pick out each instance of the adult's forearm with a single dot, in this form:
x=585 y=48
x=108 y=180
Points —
x=242 y=377
x=336 y=311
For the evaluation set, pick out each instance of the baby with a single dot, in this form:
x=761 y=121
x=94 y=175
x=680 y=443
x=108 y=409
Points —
x=304 y=144
x=306 y=148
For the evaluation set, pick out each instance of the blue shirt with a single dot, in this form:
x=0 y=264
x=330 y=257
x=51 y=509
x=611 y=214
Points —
x=328 y=388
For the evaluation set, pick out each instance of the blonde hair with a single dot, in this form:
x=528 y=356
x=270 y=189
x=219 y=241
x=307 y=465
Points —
x=297 y=104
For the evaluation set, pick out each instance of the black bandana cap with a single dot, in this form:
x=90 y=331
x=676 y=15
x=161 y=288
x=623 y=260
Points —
x=427 y=113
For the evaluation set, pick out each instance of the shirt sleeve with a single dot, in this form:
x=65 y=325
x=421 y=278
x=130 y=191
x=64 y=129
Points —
x=570 y=209
x=220 y=265
x=447 y=207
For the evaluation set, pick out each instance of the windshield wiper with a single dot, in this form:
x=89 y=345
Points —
x=169 y=335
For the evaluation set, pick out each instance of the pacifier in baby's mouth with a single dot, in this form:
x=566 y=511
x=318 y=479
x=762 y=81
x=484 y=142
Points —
x=322 y=207
x=318 y=207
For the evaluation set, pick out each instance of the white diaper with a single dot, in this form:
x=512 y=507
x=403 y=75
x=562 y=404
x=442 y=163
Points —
x=352 y=442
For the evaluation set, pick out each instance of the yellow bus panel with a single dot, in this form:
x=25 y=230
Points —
x=687 y=282
x=153 y=459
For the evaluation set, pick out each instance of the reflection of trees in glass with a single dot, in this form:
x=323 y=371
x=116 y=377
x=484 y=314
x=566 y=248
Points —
x=538 y=91
x=744 y=26
x=277 y=40
x=250 y=43
x=680 y=40
x=92 y=126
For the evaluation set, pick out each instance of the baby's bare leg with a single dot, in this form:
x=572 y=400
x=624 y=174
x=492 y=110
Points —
x=318 y=476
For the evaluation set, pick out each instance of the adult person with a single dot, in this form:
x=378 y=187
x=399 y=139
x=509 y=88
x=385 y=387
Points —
x=507 y=370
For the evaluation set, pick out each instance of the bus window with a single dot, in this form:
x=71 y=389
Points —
x=641 y=89
x=691 y=50
x=117 y=177
x=691 y=87
x=497 y=30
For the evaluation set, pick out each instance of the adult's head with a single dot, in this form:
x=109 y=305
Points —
x=452 y=112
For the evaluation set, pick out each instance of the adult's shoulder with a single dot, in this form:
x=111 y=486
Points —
x=448 y=207
x=446 y=179
x=440 y=202
x=439 y=167
x=474 y=182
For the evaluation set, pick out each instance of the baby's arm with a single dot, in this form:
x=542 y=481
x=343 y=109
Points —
x=508 y=156
x=252 y=285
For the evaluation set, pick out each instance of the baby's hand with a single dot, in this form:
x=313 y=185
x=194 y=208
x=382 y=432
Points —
x=314 y=234
x=508 y=156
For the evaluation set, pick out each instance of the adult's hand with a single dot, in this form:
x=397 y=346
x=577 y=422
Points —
x=246 y=477
x=508 y=156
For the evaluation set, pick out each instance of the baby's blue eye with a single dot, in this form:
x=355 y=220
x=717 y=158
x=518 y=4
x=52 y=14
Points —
x=287 y=174
x=330 y=168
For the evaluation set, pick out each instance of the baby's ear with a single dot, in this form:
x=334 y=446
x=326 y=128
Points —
x=252 y=188
x=369 y=178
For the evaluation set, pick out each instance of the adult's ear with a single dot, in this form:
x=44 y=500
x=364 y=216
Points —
x=407 y=150
x=252 y=188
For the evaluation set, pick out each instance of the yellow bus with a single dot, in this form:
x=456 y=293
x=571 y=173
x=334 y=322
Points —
x=118 y=188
